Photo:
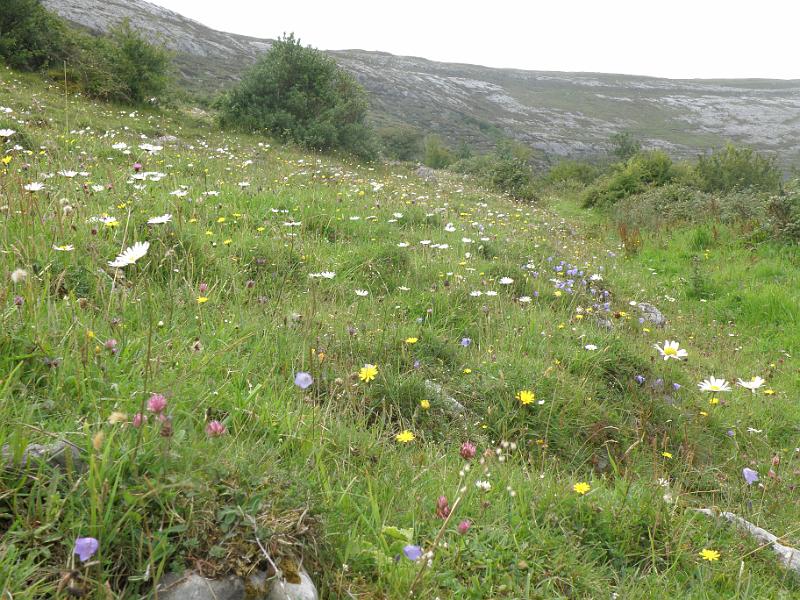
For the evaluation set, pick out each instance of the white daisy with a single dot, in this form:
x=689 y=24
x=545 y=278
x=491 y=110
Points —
x=362 y=293
x=712 y=384
x=506 y=281
x=34 y=187
x=69 y=174
x=752 y=384
x=590 y=347
x=671 y=350
x=66 y=248
x=130 y=255
x=6 y=133
x=160 y=220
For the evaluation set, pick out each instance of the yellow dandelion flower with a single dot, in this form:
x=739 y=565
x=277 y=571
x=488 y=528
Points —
x=202 y=300
x=404 y=437
x=709 y=555
x=525 y=397
x=424 y=404
x=666 y=454
x=581 y=487
x=367 y=373
x=411 y=340
x=221 y=220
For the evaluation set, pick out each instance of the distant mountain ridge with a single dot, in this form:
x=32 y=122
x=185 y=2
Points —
x=561 y=114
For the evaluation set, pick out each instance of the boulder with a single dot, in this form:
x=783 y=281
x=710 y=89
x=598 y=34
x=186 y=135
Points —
x=192 y=586
x=296 y=585
x=426 y=173
x=652 y=314
x=60 y=455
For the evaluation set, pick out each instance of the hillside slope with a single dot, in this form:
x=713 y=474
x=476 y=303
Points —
x=250 y=350
x=564 y=114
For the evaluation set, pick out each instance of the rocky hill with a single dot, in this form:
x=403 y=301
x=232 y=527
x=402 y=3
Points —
x=562 y=114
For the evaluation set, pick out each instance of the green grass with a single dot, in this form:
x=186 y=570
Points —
x=321 y=471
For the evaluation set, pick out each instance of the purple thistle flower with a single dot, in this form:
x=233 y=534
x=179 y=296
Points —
x=750 y=476
x=303 y=380
x=412 y=552
x=85 y=548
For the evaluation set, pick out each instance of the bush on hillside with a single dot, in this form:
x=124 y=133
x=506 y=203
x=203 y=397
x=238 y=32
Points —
x=506 y=170
x=31 y=38
x=624 y=145
x=122 y=66
x=641 y=172
x=299 y=94
x=402 y=142
x=572 y=171
x=784 y=212
x=733 y=167
x=437 y=154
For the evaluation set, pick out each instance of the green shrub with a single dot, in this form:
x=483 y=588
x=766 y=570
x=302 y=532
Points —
x=737 y=168
x=641 y=172
x=437 y=155
x=31 y=38
x=402 y=142
x=298 y=94
x=624 y=145
x=566 y=171
x=507 y=170
x=784 y=211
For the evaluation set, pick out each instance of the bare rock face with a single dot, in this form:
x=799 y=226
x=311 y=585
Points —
x=60 y=455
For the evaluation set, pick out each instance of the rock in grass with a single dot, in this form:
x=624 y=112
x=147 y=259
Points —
x=652 y=314
x=788 y=556
x=192 y=586
x=295 y=585
x=453 y=405
x=302 y=588
x=60 y=455
x=426 y=173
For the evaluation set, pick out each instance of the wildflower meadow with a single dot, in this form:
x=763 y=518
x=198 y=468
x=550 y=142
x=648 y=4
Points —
x=256 y=358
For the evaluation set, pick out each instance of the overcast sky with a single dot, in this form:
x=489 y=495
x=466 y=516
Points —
x=666 y=38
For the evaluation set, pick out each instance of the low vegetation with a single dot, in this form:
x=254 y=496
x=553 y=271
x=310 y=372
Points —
x=461 y=386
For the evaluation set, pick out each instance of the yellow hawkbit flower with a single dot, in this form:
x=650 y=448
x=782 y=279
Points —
x=581 y=487
x=411 y=340
x=424 y=404
x=367 y=373
x=404 y=437
x=202 y=300
x=525 y=397
x=709 y=555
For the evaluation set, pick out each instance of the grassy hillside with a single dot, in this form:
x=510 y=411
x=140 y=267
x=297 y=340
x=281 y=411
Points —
x=590 y=450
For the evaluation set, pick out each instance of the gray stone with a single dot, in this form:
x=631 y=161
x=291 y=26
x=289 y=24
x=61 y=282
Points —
x=606 y=324
x=426 y=173
x=283 y=590
x=60 y=455
x=652 y=314
x=453 y=405
x=192 y=586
